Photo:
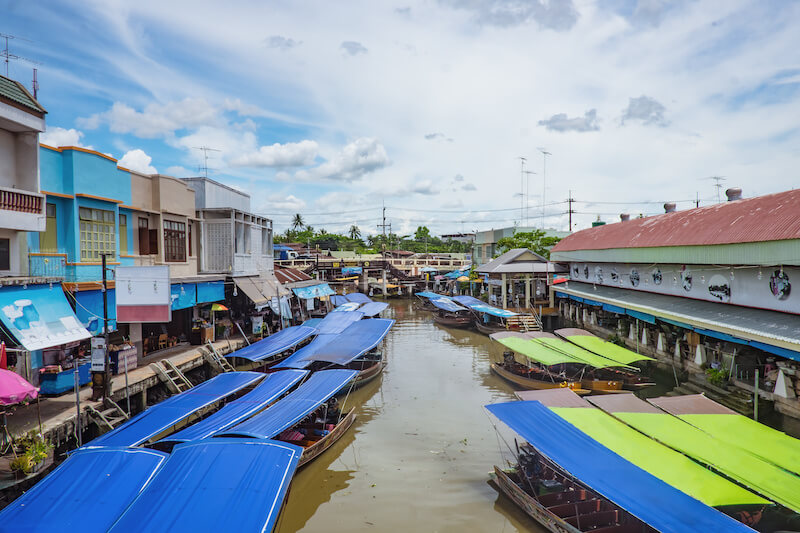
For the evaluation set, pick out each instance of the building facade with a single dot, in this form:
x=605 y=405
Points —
x=485 y=248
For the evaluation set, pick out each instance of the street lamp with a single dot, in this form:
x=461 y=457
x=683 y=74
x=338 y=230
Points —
x=545 y=153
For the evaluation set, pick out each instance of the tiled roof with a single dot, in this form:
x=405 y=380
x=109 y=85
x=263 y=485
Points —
x=773 y=217
x=16 y=92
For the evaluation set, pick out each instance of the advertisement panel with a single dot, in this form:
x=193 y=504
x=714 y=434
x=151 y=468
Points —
x=143 y=294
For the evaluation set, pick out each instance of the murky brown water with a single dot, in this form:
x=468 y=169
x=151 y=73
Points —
x=418 y=456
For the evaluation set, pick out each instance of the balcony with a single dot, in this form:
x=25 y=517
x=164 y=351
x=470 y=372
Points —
x=21 y=210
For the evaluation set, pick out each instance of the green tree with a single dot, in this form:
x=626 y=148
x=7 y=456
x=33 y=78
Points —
x=354 y=232
x=297 y=221
x=536 y=240
x=423 y=234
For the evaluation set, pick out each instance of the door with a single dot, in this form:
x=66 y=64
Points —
x=48 y=241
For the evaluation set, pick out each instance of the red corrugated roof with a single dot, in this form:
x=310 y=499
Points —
x=773 y=217
x=290 y=275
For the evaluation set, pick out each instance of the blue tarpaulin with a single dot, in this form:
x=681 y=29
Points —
x=676 y=323
x=468 y=300
x=282 y=248
x=305 y=355
x=650 y=319
x=494 y=311
x=373 y=308
x=721 y=336
x=349 y=271
x=446 y=304
x=427 y=294
x=347 y=306
x=210 y=291
x=89 y=310
x=266 y=392
x=359 y=297
x=338 y=299
x=214 y=485
x=338 y=322
x=87 y=492
x=39 y=317
x=162 y=416
x=290 y=410
x=274 y=344
x=648 y=498
x=355 y=341
x=184 y=295
x=614 y=309
x=314 y=291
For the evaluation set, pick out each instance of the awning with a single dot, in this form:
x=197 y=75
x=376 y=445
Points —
x=625 y=484
x=446 y=304
x=266 y=392
x=463 y=299
x=184 y=295
x=287 y=412
x=313 y=291
x=355 y=341
x=373 y=308
x=210 y=291
x=358 y=297
x=89 y=310
x=39 y=317
x=494 y=311
x=260 y=289
x=338 y=322
x=552 y=351
x=276 y=343
x=214 y=485
x=586 y=340
x=162 y=416
x=91 y=484
x=780 y=330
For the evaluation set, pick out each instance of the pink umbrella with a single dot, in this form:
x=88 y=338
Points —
x=14 y=389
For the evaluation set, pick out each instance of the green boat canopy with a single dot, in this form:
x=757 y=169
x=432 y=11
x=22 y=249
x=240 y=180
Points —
x=550 y=351
x=601 y=347
x=595 y=360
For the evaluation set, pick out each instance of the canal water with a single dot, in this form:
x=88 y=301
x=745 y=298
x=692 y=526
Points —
x=418 y=456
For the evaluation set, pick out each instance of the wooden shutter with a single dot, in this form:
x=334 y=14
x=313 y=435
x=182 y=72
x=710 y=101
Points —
x=144 y=241
x=153 y=239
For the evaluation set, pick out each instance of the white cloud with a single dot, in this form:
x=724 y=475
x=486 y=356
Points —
x=155 y=120
x=279 y=155
x=353 y=48
x=137 y=160
x=278 y=202
x=179 y=172
x=561 y=122
x=281 y=43
x=357 y=159
x=55 y=136
x=645 y=109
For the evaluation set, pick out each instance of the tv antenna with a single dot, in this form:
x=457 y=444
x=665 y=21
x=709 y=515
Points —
x=205 y=150
x=718 y=184
x=7 y=55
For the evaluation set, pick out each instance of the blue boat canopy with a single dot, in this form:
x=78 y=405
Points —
x=338 y=322
x=355 y=341
x=359 y=297
x=494 y=311
x=305 y=355
x=338 y=299
x=162 y=416
x=89 y=490
x=469 y=301
x=266 y=392
x=289 y=411
x=213 y=485
x=640 y=493
x=446 y=304
x=274 y=344
x=314 y=291
x=427 y=294
x=373 y=308
x=347 y=306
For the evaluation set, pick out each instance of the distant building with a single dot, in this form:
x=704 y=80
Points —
x=459 y=237
x=484 y=247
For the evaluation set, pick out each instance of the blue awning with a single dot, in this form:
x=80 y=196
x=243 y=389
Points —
x=89 y=310
x=314 y=291
x=213 y=485
x=88 y=491
x=338 y=322
x=162 y=416
x=274 y=344
x=721 y=336
x=305 y=355
x=675 y=323
x=355 y=341
x=359 y=297
x=282 y=248
x=184 y=295
x=587 y=301
x=210 y=291
x=561 y=294
x=446 y=304
x=39 y=317
x=290 y=410
x=625 y=484
x=494 y=311
x=650 y=319
x=468 y=300
x=373 y=308
x=347 y=306
x=614 y=309
x=338 y=299
x=777 y=350
x=266 y=392
x=348 y=271
x=576 y=298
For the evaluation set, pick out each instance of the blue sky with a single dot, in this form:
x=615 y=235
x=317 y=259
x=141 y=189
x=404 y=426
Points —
x=333 y=109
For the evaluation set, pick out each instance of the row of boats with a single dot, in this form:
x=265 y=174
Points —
x=466 y=311
x=618 y=464
x=221 y=455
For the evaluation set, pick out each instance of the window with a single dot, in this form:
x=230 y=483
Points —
x=191 y=230
x=123 y=234
x=97 y=233
x=48 y=241
x=5 y=254
x=174 y=241
x=144 y=237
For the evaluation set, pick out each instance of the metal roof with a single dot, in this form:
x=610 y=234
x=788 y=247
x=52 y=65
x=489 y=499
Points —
x=519 y=260
x=290 y=275
x=772 y=217
x=17 y=93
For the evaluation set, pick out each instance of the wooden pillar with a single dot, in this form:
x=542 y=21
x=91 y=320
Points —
x=528 y=292
x=503 y=291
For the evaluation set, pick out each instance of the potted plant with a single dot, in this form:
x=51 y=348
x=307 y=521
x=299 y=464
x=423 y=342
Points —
x=31 y=452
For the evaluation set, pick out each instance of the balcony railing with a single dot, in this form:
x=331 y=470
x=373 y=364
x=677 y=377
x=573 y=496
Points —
x=47 y=265
x=21 y=201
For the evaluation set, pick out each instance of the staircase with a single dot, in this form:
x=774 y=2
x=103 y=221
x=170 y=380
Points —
x=107 y=419
x=217 y=361
x=173 y=378
x=524 y=323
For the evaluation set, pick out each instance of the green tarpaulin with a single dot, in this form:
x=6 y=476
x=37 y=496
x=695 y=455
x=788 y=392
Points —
x=579 y=353
x=607 y=349
x=537 y=352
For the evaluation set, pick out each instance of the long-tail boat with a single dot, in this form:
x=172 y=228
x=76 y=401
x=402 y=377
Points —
x=450 y=313
x=489 y=319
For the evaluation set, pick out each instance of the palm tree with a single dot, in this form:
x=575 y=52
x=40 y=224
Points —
x=355 y=233
x=297 y=221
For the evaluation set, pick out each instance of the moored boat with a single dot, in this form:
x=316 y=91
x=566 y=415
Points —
x=369 y=366
x=450 y=313
x=534 y=379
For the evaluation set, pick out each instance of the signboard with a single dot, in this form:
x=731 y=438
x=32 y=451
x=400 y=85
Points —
x=39 y=317
x=258 y=324
x=98 y=354
x=143 y=294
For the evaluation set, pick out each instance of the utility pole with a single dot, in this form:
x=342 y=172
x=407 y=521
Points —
x=545 y=153
x=521 y=187
x=107 y=361
x=569 y=201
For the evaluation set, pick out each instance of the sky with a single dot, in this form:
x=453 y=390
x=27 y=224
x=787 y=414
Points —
x=337 y=109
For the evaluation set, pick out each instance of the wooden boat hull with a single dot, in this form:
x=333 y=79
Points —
x=453 y=322
x=487 y=329
x=537 y=384
x=599 y=386
x=327 y=441
x=368 y=374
